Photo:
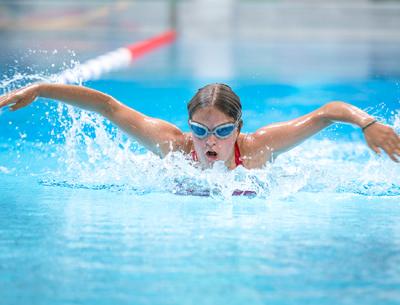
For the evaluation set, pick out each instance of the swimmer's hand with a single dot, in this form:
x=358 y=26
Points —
x=380 y=136
x=20 y=98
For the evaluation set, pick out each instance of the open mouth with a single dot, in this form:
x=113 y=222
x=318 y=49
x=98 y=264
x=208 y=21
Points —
x=211 y=154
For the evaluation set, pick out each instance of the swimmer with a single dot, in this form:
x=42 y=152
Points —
x=215 y=121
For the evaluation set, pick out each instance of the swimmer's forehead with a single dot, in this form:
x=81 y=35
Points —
x=211 y=116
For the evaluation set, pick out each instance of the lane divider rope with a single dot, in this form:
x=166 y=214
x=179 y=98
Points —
x=120 y=58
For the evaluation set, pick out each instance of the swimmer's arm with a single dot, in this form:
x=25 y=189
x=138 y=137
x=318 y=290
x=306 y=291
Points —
x=156 y=135
x=82 y=97
x=377 y=135
x=280 y=137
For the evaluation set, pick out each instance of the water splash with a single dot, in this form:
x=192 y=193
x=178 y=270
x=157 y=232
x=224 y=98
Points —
x=26 y=69
x=89 y=153
x=95 y=158
x=4 y=170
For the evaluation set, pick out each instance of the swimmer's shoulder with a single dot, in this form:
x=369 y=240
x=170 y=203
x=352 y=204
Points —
x=182 y=142
x=252 y=154
x=187 y=143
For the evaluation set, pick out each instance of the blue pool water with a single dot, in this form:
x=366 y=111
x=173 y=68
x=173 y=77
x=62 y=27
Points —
x=87 y=216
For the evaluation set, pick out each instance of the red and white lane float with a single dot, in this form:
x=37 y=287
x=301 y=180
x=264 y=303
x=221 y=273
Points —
x=120 y=58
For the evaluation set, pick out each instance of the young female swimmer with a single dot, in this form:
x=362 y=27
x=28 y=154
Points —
x=215 y=122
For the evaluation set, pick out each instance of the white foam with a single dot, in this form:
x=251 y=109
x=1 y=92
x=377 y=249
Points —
x=4 y=170
x=95 y=157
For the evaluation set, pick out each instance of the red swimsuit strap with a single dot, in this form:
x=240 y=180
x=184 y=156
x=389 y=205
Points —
x=238 y=160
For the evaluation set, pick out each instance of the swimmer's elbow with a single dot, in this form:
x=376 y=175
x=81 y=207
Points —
x=332 y=111
x=109 y=107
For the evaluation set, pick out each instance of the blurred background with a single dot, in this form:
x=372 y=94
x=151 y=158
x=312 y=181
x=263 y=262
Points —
x=294 y=41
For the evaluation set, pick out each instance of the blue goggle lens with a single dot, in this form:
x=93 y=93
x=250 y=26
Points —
x=199 y=131
x=221 y=132
x=224 y=131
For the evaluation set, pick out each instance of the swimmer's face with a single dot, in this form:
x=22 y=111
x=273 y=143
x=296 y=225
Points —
x=212 y=148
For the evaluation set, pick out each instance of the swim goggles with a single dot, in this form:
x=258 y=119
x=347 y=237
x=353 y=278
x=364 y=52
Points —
x=222 y=131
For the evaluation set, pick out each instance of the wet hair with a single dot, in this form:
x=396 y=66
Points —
x=219 y=96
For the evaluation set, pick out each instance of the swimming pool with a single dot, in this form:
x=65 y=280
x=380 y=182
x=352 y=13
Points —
x=88 y=216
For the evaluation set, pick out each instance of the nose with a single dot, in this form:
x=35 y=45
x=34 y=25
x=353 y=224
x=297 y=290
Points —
x=211 y=140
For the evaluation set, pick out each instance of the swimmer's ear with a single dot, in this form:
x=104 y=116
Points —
x=240 y=125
